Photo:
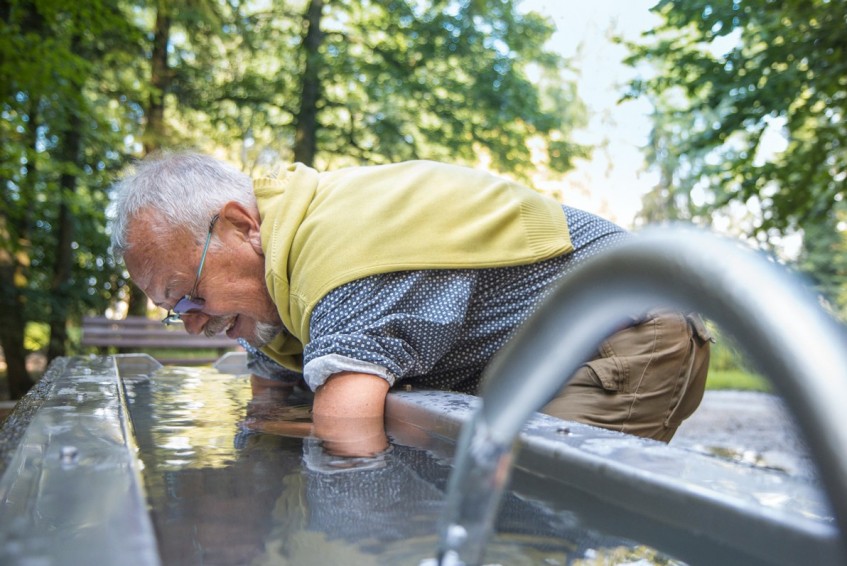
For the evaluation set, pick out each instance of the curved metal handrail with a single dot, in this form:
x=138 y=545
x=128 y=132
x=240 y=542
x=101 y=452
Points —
x=780 y=325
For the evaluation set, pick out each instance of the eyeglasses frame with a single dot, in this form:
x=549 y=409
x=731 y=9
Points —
x=174 y=315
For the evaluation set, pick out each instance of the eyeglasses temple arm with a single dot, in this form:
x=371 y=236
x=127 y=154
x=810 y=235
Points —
x=203 y=257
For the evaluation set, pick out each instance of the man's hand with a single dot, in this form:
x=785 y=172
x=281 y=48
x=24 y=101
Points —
x=271 y=409
x=348 y=414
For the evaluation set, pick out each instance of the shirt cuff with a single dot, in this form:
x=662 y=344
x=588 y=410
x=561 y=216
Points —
x=318 y=370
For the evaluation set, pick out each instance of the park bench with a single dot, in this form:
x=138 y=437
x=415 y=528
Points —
x=168 y=344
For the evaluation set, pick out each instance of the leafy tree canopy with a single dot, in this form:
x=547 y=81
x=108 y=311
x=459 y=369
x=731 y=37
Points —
x=728 y=75
x=391 y=80
x=62 y=119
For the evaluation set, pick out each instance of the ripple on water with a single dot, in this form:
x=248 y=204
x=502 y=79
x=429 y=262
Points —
x=221 y=492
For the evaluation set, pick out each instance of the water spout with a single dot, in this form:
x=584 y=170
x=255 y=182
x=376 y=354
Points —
x=781 y=327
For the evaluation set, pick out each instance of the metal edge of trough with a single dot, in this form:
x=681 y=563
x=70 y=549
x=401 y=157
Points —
x=72 y=489
x=671 y=498
x=48 y=491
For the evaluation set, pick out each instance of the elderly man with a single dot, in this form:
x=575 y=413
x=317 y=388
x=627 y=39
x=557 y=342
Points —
x=369 y=277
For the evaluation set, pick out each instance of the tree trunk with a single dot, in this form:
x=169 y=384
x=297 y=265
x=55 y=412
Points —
x=12 y=325
x=154 y=128
x=61 y=277
x=17 y=227
x=305 y=136
x=137 y=303
x=14 y=263
x=160 y=79
x=12 y=322
x=63 y=265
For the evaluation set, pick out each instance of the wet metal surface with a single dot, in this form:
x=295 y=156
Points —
x=218 y=491
x=71 y=493
x=692 y=506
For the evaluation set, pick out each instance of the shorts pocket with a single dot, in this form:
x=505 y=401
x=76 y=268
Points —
x=609 y=373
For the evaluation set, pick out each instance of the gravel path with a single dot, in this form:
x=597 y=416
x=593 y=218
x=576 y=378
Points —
x=754 y=428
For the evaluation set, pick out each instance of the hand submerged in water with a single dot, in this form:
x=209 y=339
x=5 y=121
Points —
x=351 y=437
x=343 y=432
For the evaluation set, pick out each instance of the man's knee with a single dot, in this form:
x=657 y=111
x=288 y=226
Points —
x=645 y=380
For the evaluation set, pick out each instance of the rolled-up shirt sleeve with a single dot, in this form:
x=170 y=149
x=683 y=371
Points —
x=393 y=325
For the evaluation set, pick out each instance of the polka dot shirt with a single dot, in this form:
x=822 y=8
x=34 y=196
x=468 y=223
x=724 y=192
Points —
x=438 y=328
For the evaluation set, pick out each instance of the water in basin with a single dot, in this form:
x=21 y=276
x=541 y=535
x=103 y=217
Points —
x=220 y=492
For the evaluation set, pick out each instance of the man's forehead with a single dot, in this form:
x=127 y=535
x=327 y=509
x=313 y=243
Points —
x=144 y=248
x=155 y=257
x=141 y=263
x=148 y=233
x=144 y=224
x=162 y=277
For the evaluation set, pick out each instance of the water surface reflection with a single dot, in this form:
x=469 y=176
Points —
x=223 y=490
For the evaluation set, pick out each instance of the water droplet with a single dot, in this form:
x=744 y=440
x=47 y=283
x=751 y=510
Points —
x=69 y=455
x=456 y=535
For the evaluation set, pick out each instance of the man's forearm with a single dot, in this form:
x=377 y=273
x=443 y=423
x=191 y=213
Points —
x=348 y=414
x=350 y=394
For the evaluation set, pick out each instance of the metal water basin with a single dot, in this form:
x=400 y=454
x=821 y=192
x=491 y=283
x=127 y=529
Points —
x=117 y=460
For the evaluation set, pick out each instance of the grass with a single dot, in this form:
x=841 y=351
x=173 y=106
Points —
x=736 y=379
x=729 y=367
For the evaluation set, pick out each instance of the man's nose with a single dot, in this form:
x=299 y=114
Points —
x=194 y=322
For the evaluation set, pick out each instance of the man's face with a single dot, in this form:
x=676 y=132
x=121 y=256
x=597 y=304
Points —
x=231 y=286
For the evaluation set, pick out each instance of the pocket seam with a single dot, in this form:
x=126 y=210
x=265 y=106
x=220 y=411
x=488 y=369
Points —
x=614 y=371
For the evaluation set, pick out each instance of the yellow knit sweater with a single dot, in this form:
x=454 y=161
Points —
x=322 y=230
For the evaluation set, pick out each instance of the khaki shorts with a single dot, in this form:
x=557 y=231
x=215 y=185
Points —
x=645 y=380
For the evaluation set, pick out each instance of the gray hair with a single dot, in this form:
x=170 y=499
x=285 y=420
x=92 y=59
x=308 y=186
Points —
x=184 y=189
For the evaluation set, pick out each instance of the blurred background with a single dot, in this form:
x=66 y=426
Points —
x=727 y=114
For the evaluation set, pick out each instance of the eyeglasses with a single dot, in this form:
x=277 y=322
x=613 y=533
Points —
x=190 y=303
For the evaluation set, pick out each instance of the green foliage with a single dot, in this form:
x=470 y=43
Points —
x=64 y=118
x=396 y=80
x=730 y=78
x=37 y=336
x=60 y=123
x=824 y=258
x=734 y=69
x=729 y=367
x=736 y=379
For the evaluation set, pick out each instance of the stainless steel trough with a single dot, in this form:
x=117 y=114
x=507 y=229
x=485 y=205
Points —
x=91 y=479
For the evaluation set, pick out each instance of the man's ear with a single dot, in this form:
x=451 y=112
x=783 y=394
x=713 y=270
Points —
x=244 y=222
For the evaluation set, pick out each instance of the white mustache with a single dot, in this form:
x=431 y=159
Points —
x=217 y=324
x=265 y=333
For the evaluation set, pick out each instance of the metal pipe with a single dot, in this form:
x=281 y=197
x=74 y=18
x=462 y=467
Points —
x=779 y=324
